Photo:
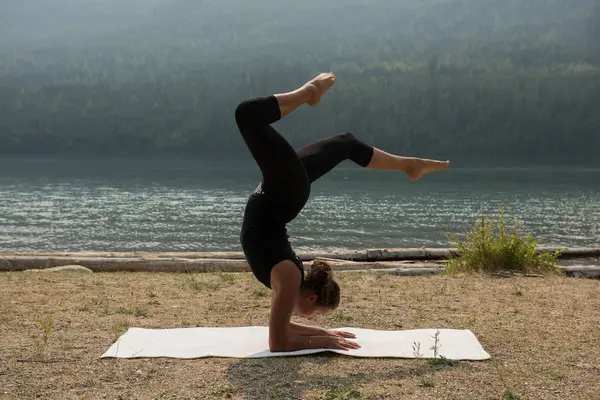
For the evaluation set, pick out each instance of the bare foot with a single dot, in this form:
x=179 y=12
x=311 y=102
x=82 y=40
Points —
x=422 y=166
x=318 y=86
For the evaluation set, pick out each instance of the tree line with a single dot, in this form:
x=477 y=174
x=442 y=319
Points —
x=458 y=84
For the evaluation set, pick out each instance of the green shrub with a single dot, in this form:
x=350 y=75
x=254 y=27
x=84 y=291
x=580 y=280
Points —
x=493 y=246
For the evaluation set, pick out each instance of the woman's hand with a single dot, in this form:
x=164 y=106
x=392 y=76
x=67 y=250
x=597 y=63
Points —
x=346 y=335
x=337 y=342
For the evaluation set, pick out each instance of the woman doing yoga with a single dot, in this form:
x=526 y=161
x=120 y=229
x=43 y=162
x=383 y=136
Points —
x=286 y=180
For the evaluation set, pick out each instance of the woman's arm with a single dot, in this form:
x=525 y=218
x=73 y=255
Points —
x=300 y=329
x=314 y=330
x=285 y=284
x=283 y=336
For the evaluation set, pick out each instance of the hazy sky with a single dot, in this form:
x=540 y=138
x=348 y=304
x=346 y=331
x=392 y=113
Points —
x=39 y=22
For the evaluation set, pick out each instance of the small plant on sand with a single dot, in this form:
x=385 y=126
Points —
x=438 y=361
x=227 y=277
x=417 y=350
x=41 y=343
x=260 y=292
x=226 y=391
x=341 y=317
x=427 y=382
x=494 y=246
x=441 y=361
x=517 y=290
x=341 y=394
x=140 y=312
x=508 y=395
x=436 y=344
x=120 y=326
x=202 y=285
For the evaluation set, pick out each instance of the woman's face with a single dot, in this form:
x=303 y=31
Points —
x=307 y=306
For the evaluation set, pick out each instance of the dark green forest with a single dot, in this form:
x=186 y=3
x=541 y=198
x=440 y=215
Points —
x=438 y=78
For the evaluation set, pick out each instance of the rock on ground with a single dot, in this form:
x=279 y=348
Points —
x=63 y=268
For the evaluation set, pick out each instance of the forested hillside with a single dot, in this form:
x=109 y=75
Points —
x=439 y=78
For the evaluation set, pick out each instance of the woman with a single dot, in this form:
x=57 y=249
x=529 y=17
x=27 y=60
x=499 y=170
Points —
x=286 y=179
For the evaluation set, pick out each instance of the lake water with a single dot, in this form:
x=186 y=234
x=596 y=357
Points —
x=186 y=205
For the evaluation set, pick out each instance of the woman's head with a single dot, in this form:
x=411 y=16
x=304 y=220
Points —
x=319 y=294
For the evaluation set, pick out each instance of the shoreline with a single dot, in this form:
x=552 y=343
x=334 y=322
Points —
x=578 y=262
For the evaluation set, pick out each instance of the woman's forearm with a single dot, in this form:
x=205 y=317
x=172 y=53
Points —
x=306 y=330
x=297 y=341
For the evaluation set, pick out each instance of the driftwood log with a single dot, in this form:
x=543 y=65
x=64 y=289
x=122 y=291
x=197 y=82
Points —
x=399 y=254
x=397 y=261
x=135 y=264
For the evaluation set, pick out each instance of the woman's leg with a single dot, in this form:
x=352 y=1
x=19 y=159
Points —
x=322 y=156
x=285 y=183
x=277 y=160
x=310 y=93
x=415 y=168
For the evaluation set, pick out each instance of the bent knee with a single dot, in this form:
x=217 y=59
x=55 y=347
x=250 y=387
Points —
x=357 y=151
x=347 y=137
x=346 y=140
x=244 y=112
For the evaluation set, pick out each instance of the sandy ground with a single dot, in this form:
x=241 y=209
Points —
x=543 y=335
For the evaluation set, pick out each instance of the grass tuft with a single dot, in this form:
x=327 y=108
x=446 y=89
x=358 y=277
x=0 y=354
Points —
x=427 y=382
x=441 y=361
x=260 y=292
x=41 y=343
x=140 y=312
x=417 y=350
x=227 y=277
x=495 y=246
x=518 y=291
x=200 y=286
x=438 y=361
x=226 y=391
x=342 y=394
x=508 y=395
x=341 y=317
x=120 y=326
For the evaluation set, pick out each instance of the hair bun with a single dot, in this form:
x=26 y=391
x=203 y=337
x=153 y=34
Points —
x=319 y=279
x=320 y=274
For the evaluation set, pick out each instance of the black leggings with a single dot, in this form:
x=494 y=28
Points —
x=286 y=178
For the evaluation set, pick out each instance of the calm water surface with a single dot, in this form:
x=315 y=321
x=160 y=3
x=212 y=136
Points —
x=184 y=205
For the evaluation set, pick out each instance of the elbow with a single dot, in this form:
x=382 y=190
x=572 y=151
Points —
x=277 y=345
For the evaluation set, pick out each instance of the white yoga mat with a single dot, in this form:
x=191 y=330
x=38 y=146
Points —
x=252 y=342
